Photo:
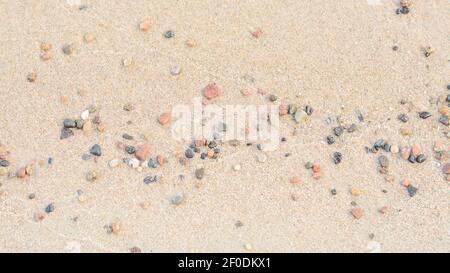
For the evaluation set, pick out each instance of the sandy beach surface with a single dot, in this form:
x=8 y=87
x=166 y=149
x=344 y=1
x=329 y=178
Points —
x=356 y=63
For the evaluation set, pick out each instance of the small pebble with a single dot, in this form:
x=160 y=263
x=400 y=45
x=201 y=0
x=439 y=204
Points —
x=175 y=70
x=177 y=199
x=424 y=115
x=133 y=163
x=261 y=158
x=96 y=150
x=189 y=153
x=169 y=34
x=200 y=173
x=130 y=149
x=421 y=158
x=50 y=208
x=403 y=118
x=69 y=123
x=113 y=163
x=357 y=213
x=338 y=131
x=411 y=190
x=144 y=26
x=67 y=49
x=237 y=167
x=32 y=77
x=164 y=118
x=92 y=176
x=337 y=157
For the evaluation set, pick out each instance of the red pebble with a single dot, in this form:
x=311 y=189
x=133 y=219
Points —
x=211 y=91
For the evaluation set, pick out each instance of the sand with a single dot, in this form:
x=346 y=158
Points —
x=333 y=55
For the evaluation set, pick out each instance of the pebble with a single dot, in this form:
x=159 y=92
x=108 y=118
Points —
x=338 y=131
x=394 y=149
x=151 y=179
x=333 y=191
x=130 y=149
x=357 y=213
x=32 y=77
x=403 y=118
x=45 y=46
x=330 y=140
x=142 y=151
x=3 y=171
x=21 y=173
x=89 y=38
x=444 y=120
x=189 y=153
x=405 y=3
x=355 y=192
x=69 y=123
x=424 y=115
x=127 y=136
x=309 y=110
x=211 y=91
x=31 y=196
x=300 y=116
x=85 y=115
x=411 y=190
x=67 y=49
x=92 y=176
x=405 y=131
x=152 y=163
x=135 y=250
x=337 y=157
x=169 y=34
x=273 y=98
x=237 y=167
x=384 y=210
x=164 y=118
x=200 y=173
x=96 y=150
x=127 y=62
x=295 y=180
x=144 y=26
x=175 y=70
x=421 y=158
x=133 y=163
x=384 y=161
x=39 y=216
x=50 y=208
x=116 y=228
x=446 y=168
x=309 y=165
x=177 y=199
x=191 y=43
x=4 y=163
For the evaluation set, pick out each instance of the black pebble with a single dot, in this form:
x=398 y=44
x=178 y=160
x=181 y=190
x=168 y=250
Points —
x=421 y=158
x=31 y=196
x=424 y=115
x=333 y=192
x=309 y=110
x=378 y=144
x=330 y=140
x=411 y=159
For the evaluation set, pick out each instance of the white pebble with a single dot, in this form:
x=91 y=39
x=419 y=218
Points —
x=237 y=167
x=113 y=163
x=133 y=163
x=85 y=115
x=139 y=169
x=175 y=70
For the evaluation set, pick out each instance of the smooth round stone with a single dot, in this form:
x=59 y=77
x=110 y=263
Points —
x=69 y=123
x=395 y=149
x=96 y=150
x=175 y=70
x=237 y=167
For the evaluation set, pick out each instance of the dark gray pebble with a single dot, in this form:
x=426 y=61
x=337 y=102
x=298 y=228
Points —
x=330 y=140
x=50 y=208
x=338 y=131
x=96 y=150
x=444 y=120
x=189 y=153
x=309 y=110
x=31 y=196
x=152 y=163
x=169 y=34
x=130 y=149
x=411 y=190
x=4 y=163
x=79 y=123
x=403 y=118
x=337 y=157
x=69 y=123
x=200 y=173
x=127 y=136
x=151 y=179
x=411 y=159
x=424 y=115
x=421 y=158
x=333 y=192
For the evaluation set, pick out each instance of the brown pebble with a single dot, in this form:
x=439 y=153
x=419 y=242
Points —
x=191 y=43
x=32 y=77
x=357 y=213
x=257 y=33
x=316 y=168
x=46 y=56
x=164 y=118
x=87 y=127
x=45 y=46
x=135 y=249
x=355 y=192
x=115 y=228
x=405 y=153
x=144 y=26
x=384 y=210
x=144 y=204
x=142 y=151
x=405 y=3
x=444 y=111
x=415 y=150
x=246 y=92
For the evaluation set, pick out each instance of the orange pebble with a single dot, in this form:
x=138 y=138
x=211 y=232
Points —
x=405 y=182
x=164 y=118
x=295 y=180
x=160 y=159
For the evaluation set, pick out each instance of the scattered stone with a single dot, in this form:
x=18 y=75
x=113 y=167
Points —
x=21 y=173
x=444 y=120
x=300 y=116
x=384 y=210
x=4 y=163
x=337 y=158
x=261 y=158
x=424 y=115
x=151 y=179
x=32 y=77
x=191 y=43
x=89 y=38
x=384 y=161
x=135 y=249
x=128 y=107
x=338 y=131
x=116 y=228
x=411 y=190
x=333 y=191
x=237 y=167
x=330 y=140
x=211 y=91
x=164 y=118
x=127 y=62
x=96 y=150
x=403 y=118
x=177 y=199
x=133 y=163
x=130 y=149
x=142 y=151
x=92 y=176
x=175 y=70
x=421 y=158
x=45 y=46
x=189 y=153
x=144 y=26
x=50 y=208
x=68 y=49
x=169 y=34
x=309 y=165
x=39 y=216
x=69 y=123
x=200 y=173
x=272 y=98
x=357 y=213
x=394 y=149
x=355 y=192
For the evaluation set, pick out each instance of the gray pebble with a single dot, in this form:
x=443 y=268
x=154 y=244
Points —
x=69 y=123
x=200 y=173
x=96 y=150
x=66 y=133
x=411 y=190
x=177 y=199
